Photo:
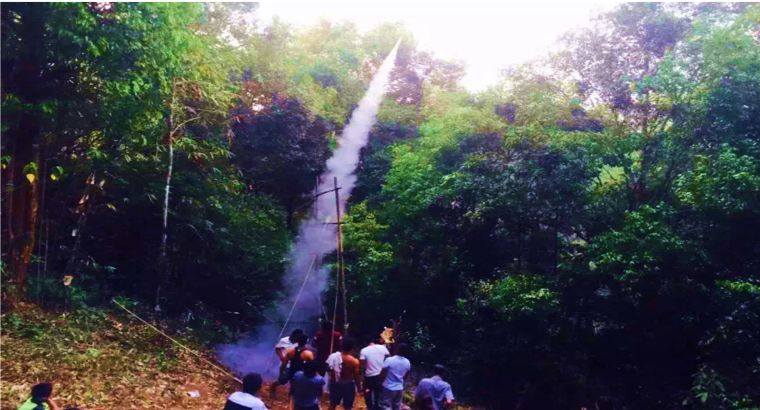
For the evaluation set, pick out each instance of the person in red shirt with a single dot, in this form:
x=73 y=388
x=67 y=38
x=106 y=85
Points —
x=323 y=341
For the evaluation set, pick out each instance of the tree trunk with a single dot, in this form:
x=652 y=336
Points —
x=555 y=268
x=26 y=217
x=163 y=259
x=23 y=216
x=27 y=83
x=41 y=224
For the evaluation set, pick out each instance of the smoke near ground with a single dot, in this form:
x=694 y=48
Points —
x=316 y=238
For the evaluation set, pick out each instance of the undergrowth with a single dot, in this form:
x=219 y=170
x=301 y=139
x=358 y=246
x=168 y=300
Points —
x=100 y=358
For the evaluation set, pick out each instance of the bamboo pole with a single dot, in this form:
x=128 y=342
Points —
x=341 y=263
x=339 y=249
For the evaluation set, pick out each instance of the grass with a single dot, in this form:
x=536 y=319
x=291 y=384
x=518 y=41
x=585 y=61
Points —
x=103 y=359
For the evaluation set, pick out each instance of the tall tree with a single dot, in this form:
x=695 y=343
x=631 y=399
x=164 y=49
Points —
x=33 y=74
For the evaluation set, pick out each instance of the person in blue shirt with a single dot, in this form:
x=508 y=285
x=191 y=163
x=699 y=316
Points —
x=395 y=371
x=306 y=387
x=433 y=393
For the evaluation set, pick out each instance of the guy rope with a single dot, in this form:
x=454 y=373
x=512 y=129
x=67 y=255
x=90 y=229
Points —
x=298 y=296
x=340 y=289
x=175 y=341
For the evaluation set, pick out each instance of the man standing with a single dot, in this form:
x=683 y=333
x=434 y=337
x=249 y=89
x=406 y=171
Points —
x=246 y=399
x=344 y=377
x=297 y=356
x=281 y=349
x=395 y=371
x=334 y=365
x=287 y=343
x=327 y=341
x=433 y=393
x=306 y=387
x=372 y=358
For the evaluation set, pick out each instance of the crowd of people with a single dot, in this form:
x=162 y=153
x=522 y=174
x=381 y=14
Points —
x=330 y=364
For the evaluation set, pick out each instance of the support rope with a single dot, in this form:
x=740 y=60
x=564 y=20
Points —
x=295 y=302
x=298 y=296
x=196 y=354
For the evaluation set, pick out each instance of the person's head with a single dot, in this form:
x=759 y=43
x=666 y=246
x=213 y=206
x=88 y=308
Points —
x=439 y=370
x=302 y=339
x=295 y=334
x=347 y=345
x=251 y=383
x=402 y=349
x=310 y=368
x=327 y=326
x=604 y=403
x=42 y=391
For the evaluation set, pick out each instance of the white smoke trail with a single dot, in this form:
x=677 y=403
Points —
x=316 y=238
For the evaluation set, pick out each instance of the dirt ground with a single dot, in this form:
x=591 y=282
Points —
x=102 y=360
x=99 y=359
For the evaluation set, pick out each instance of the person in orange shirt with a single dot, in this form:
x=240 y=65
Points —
x=345 y=377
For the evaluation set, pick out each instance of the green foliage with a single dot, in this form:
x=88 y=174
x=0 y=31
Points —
x=583 y=231
x=361 y=233
x=644 y=245
x=126 y=78
x=740 y=287
x=281 y=151
x=619 y=192
x=520 y=296
x=727 y=184
x=413 y=178
x=392 y=112
x=709 y=392
x=367 y=258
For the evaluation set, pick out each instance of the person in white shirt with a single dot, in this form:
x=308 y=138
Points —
x=395 y=371
x=281 y=349
x=287 y=342
x=334 y=365
x=372 y=358
x=246 y=399
x=335 y=362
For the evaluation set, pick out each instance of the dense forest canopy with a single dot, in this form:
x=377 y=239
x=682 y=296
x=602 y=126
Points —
x=588 y=227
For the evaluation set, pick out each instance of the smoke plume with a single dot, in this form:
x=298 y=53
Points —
x=306 y=280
